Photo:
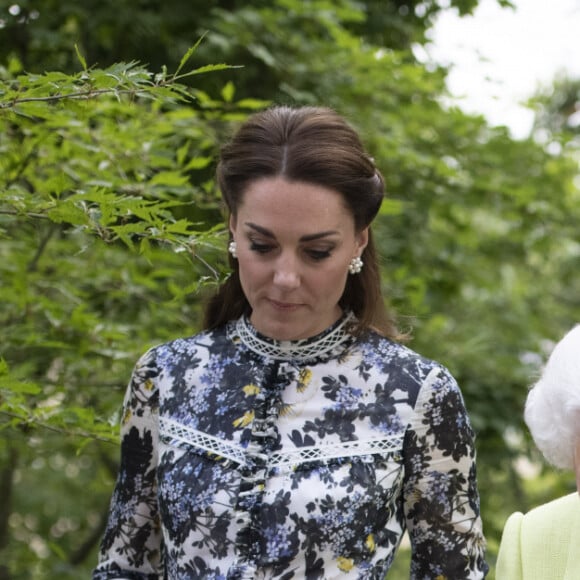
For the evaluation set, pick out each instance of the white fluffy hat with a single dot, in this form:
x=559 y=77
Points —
x=553 y=405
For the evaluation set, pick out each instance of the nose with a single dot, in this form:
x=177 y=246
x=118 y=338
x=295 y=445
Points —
x=286 y=273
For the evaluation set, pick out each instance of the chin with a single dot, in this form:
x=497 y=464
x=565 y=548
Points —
x=279 y=329
x=284 y=332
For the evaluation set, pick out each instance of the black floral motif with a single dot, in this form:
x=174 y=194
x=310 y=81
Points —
x=238 y=463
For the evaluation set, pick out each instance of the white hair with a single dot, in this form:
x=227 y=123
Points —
x=553 y=405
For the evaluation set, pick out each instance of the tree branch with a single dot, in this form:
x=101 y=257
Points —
x=6 y=485
x=31 y=421
x=32 y=266
x=88 y=94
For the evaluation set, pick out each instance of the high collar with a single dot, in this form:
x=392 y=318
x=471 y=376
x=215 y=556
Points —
x=315 y=347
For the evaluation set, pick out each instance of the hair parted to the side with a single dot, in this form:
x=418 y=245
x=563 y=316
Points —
x=313 y=145
x=552 y=410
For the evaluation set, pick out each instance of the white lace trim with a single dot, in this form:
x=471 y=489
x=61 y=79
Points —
x=293 y=350
x=215 y=446
x=336 y=451
x=175 y=430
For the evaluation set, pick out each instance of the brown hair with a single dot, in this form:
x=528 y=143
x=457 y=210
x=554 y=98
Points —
x=313 y=145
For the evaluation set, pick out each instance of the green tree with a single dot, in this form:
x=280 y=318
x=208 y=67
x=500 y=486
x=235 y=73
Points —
x=107 y=223
x=39 y=33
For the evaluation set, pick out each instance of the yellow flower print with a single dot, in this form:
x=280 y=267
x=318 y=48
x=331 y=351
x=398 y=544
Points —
x=126 y=416
x=370 y=543
x=148 y=385
x=245 y=419
x=304 y=378
x=250 y=390
x=285 y=409
x=345 y=564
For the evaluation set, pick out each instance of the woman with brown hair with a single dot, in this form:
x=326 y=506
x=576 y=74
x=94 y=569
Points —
x=294 y=437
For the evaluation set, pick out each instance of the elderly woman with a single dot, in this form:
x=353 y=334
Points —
x=544 y=543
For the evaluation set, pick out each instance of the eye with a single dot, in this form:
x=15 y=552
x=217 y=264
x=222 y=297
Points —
x=318 y=255
x=260 y=248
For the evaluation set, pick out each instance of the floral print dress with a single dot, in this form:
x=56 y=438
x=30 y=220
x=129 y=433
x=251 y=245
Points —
x=244 y=457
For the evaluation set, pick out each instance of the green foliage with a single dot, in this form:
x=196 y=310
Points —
x=111 y=231
x=557 y=109
x=39 y=33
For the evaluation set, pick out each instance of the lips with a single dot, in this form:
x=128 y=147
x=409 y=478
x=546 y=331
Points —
x=287 y=306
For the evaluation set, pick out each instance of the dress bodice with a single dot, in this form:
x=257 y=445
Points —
x=293 y=459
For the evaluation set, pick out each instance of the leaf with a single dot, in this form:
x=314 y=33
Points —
x=207 y=69
x=228 y=92
x=391 y=207
x=169 y=178
x=253 y=104
x=187 y=55
x=17 y=386
x=80 y=57
x=198 y=163
x=67 y=212
x=182 y=153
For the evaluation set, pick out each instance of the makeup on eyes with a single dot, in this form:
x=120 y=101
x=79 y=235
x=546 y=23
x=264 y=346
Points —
x=264 y=246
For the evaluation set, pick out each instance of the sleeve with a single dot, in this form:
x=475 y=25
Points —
x=509 y=558
x=131 y=547
x=441 y=500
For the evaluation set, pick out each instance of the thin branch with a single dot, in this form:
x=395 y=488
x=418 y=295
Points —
x=78 y=95
x=25 y=214
x=37 y=423
x=6 y=488
x=32 y=266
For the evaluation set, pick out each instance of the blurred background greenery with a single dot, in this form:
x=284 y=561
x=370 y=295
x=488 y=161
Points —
x=111 y=227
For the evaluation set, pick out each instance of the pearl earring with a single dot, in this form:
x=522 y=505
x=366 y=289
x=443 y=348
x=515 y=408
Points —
x=233 y=249
x=355 y=265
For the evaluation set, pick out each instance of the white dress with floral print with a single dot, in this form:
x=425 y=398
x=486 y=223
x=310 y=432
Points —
x=245 y=458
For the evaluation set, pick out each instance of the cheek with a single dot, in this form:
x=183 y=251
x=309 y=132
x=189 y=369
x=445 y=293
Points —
x=331 y=282
x=252 y=273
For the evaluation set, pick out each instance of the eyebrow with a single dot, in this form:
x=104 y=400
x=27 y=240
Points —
x=307 y=238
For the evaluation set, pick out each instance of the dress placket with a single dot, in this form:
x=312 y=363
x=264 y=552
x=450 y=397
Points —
x=253 y=475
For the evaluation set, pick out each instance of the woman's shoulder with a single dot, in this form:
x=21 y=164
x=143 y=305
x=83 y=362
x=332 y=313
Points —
x=538 y=544
x=395 y=353
x=566 y=507
x=411 y=370
x=203 y=339
x=537 y=521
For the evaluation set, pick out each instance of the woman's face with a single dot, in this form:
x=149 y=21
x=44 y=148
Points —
x=294 y=241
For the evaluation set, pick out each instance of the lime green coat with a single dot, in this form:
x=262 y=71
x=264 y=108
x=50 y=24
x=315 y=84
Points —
x=544 y=544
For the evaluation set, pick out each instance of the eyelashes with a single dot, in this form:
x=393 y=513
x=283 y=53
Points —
x=260 y=248
x=318 y=255
x=313 y=254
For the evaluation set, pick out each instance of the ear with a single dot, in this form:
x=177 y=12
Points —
x=232 y=223
x=362 y=239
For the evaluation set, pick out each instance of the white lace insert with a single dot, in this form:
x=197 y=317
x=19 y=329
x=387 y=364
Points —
x=213 y=445
x=293 y=350
x=195 y=438
x=336 y=451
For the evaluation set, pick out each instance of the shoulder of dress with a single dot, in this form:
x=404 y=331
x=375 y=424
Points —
x=203 y=338
x=565 y=507
x=398 y=355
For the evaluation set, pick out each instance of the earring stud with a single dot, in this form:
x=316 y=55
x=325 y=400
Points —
x=233 y=249
x=355 y=265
